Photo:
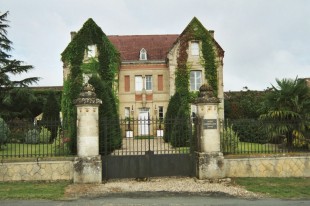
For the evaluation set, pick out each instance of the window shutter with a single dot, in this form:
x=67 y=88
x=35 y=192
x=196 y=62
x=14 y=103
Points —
x=127 y=83
x=160 y=83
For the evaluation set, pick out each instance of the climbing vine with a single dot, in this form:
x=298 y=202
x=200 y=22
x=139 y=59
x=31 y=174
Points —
x=194 y=31
x=105 y=65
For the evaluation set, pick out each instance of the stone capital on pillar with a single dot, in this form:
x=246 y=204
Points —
x=209 y=159
x=87 y=122
x=88 y=165
x=207 y=112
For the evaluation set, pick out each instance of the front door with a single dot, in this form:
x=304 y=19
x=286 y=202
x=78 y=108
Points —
x=143 y=122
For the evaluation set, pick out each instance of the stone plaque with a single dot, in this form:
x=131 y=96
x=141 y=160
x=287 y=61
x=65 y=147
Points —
x=210 y=124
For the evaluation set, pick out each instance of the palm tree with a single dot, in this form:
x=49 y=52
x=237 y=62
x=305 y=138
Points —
x=286 y=110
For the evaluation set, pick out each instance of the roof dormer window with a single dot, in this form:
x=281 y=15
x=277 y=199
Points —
x=91 y=51
x=143 y=54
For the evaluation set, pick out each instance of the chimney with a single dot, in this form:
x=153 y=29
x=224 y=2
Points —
x=73 y=33
x=211 y=33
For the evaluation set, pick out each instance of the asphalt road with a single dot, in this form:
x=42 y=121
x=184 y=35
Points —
x=156 y=200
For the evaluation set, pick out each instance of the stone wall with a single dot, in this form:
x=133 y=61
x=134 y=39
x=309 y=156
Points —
x=37 y=170
x=268 y=167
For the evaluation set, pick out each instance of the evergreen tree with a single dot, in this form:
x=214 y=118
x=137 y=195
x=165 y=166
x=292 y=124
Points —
x=172 y=111
x=109 y=126
x=9 y=67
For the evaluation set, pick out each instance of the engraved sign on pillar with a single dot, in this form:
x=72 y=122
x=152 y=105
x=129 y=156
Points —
x=210 y=124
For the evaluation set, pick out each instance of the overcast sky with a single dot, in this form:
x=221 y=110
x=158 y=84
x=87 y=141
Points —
x=263 y=39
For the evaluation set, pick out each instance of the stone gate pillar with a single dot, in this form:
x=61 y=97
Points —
x=87 y=164
x=210 y=160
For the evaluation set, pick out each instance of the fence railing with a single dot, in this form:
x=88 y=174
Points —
x=26 y=138
x=249 y=136
x=20 y=138
x=131 y=136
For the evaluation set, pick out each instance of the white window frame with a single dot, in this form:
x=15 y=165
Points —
x=148 y=82
x=143 y=54
x=138 y=83
x=91 y=51
x=195 y=48
x=195 y=80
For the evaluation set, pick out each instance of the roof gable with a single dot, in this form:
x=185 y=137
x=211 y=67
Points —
x=194 y=24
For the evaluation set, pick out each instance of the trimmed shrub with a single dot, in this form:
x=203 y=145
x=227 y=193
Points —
x=250 y=130
x=181 y=130
x=109 y=126
x=45 y=135
x=229 y=140
x=32 y=136
x=172 y=110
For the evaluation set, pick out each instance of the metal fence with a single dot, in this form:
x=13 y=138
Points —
x=21 y=138
x=249 y=136
x=137 y=136
x=26 y=138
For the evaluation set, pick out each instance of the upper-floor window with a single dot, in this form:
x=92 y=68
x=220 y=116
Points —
x=143 y=82
x=195 y=80
x=195 y=48
x=143 y=54
x=91 y=51
x=148 y=82
x=138 y=83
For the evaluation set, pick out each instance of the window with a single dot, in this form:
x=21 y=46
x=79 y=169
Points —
x=138 y=83
x=160 y=83
x=127 y=112
x=91 y=51
x=127 y=83
x=148 y=82
x=143 y=83
x=143 y=54
x=195 y=48
x=195 y=80
x=161 y=112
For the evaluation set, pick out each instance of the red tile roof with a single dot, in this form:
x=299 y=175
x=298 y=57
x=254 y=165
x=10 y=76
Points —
x=157 y=46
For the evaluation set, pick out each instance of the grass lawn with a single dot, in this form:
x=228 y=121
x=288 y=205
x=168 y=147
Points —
x=245 y=147
x=144 y=137
x=33 y=190
x=284 y=188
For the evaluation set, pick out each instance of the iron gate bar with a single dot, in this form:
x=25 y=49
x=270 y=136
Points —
x=148 y=155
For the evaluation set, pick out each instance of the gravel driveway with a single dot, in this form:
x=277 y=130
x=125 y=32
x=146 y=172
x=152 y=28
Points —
x=171 y=184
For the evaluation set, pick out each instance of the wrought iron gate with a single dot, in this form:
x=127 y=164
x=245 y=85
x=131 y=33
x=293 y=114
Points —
x=126 y=153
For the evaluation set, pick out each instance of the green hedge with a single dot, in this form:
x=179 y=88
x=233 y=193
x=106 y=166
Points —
x=250 y=130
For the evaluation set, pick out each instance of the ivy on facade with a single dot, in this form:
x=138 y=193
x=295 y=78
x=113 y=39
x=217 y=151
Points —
x=195 y=31
x=105 y=66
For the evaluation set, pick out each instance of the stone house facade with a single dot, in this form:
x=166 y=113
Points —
x=146 y=78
